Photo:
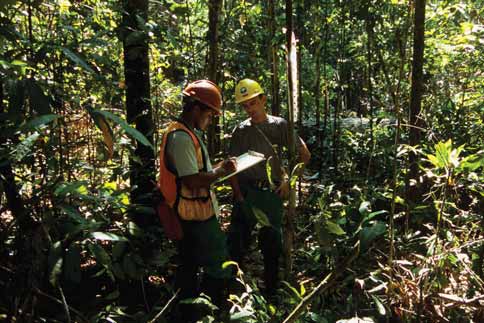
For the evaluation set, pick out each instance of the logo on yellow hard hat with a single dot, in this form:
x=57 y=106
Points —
x=246 y=90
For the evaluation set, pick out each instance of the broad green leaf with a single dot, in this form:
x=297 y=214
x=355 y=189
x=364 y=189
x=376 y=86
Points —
x=368 y=234
x=379 y=306
x=100 y=254
x=242 y=315
x=73 y=188
x=105 y=128
x=434 y=161
x=365 y=208
x=261 y=216
x=292 y=289
x=73 y=214
x=269 y=171
x=55 y=262
x=229 y=263
x=297 y=169
x=134 y=230
x=442 y=153
x=74 y=57
x=334 y=228
x=126 y=127
x=40 y=121
x=357 y=320
x=472 y=162
x=107 y=236
x=374 y=214
x=25 y=147
x=201 y=301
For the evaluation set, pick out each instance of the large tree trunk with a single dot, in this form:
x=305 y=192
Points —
x=274 y=61
x=415 y=120
x=214 y=9
x=138 y=107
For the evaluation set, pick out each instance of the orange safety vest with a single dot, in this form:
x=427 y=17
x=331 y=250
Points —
x=190 y=204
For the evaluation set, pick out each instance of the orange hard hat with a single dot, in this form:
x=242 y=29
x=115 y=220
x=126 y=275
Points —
x=206 y=92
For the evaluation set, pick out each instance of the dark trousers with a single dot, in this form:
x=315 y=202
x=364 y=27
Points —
x=265 y=207
x=203 y=245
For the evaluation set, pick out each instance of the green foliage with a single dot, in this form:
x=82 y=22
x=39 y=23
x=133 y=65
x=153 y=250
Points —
x=62 y=75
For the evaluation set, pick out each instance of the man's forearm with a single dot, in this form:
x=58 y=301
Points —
x=203 y=179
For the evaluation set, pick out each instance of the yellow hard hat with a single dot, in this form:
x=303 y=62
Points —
x=246 y=90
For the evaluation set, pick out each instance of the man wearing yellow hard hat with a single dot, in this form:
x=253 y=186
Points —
x=252 y=188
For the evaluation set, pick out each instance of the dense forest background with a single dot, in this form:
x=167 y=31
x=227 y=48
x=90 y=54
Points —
x=389 y=96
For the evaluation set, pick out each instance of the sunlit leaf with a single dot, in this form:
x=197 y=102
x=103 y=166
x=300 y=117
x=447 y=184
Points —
x=126 y=127
x=379 y=306
x=334 y=228
x=25 y=147
x=74 y=57
x=107 y=236
x=55 y=261
x=105 y=128
x=261 y=217
x=365 y=208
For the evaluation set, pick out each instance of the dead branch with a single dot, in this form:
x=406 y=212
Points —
x=323 y=285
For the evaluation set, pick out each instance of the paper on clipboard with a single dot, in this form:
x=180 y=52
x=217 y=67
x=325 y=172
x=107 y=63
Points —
x=245 y=161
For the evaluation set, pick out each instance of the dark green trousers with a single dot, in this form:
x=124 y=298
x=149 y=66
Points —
x=203 y=245
x=244 y=219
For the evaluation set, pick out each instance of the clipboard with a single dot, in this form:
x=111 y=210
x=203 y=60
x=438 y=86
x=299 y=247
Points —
x=244 y=162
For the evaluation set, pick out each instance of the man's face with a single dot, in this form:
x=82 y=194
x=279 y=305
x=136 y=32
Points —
x=205 y=118
x=255 y=108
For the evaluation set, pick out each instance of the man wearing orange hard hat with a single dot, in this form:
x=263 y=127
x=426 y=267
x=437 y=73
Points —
x=185 y=180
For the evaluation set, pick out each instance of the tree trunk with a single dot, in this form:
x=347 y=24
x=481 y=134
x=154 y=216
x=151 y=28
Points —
x=322 y=132
x=214 y=9
x=369 y=33
x=29 y=258
x=274 y=62
x=292 y=107
x=138 y=107
x=415 y=120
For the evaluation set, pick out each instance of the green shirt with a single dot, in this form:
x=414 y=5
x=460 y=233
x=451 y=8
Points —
x=182 y=158
x=247 y=136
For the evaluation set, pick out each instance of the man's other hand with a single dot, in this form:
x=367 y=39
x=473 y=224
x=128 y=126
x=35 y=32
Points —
x=229 y=165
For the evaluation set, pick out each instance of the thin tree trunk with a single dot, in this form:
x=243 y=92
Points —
x=341 y=95
x=276 y=101
x=369 y=33
x=292 y=104
x=299 y=117
x=138 y=107
x=317 y=86
x=322 y=132
x=214 y=9
x=415 y=120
